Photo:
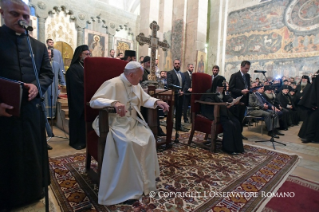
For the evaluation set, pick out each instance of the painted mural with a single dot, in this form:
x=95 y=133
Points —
x=280 y=36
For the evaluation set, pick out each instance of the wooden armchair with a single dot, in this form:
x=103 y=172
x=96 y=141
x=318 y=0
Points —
x=96 y=71
x=200 y=84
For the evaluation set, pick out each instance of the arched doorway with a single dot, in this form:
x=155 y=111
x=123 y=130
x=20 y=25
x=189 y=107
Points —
x=66 y=51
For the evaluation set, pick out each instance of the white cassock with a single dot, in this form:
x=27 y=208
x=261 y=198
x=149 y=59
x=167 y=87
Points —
x=130 y=165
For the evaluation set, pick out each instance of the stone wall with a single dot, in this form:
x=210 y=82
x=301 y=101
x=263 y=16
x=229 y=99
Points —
x=94 y=15
x=281 y=37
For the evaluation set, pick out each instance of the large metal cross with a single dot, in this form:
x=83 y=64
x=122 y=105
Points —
x=153 y=43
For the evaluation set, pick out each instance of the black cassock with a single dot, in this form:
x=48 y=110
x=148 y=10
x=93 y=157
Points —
x=23 y=148
x=302 y=111
x=310 y=100
x=75 y=91
x=232 y=139
x=284 y=100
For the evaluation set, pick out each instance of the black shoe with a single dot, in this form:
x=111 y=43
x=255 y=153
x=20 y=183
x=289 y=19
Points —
x=130 y=201
x=306 y=141
x=278 y=133
x=270 y=134
x=49 y=147
x=243 y=137
x=161 y=133
x=79 y=147
x=182 y=129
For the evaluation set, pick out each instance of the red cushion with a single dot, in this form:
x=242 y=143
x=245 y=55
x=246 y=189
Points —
x=96 y=71
x=203 y=124
x=200 y=84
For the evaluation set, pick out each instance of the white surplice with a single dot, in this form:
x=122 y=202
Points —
x=130 y=165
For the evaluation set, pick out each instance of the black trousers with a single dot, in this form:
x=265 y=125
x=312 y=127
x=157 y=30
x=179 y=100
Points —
x=187 y=101
x=178 y=110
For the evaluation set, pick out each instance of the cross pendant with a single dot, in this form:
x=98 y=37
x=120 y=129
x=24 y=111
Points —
x=130 y=109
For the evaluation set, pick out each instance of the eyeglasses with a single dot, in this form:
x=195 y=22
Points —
x=87 y=54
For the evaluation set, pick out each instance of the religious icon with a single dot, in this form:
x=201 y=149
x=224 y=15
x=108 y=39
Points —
x=96 y=47
x=97 y=42
x=201 y=58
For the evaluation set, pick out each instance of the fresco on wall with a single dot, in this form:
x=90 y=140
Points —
x=281 y=37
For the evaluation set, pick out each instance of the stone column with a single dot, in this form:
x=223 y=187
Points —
x=79 y=35
x=165 y=22
x=148 y=12
x=41 y=36
x=217 y=35
x=196 y=30
x=111 y=43
x=178 y=30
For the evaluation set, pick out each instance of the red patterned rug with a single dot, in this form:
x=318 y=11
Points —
x=191 y=179
x=306 y=196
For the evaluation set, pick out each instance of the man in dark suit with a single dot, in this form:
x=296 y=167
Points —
x=187 y=90
x=175 y=77
x=239 y=85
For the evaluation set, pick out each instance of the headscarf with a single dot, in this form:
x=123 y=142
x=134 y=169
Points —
x=78 y=51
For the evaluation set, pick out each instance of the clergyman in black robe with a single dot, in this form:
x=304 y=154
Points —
x=309 y=130
x=75 y=91
x=23 y=147
x=232 y=140
x=286 y=102
x=301 y=89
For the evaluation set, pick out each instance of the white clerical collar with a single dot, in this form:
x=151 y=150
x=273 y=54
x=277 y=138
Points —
x=125 y=80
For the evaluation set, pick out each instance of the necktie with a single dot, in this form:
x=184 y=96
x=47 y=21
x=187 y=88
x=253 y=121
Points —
x=245 y=81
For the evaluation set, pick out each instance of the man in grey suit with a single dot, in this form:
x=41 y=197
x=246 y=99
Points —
x=258 y=106
x=57 y=54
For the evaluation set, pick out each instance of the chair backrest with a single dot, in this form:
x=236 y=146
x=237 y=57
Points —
x=200 y=84
x=96 y=71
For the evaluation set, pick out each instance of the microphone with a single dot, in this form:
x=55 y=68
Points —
x=258 y=71
x=24 y=25
x=174 y=86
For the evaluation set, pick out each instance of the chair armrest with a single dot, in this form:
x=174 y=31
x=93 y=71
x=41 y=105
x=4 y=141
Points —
x=210 y=103
x=109 y=109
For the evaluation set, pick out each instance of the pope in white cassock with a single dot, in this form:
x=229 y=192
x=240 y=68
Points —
x=130 y=164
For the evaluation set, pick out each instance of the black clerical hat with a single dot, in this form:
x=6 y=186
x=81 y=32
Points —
x=267 y=88
x=217 y=82
x=146 y=59
x=290 y=88
x=130 y=53
x=285 y=87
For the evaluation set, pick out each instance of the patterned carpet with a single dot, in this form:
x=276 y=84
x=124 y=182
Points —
x=192 y=179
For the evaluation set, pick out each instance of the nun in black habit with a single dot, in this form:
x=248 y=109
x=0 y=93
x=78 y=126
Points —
x=309 y=131
x=75 y=91
x=232 y=139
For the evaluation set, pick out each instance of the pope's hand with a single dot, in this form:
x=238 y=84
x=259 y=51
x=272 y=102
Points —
x=163 y=105
x=120 y=109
